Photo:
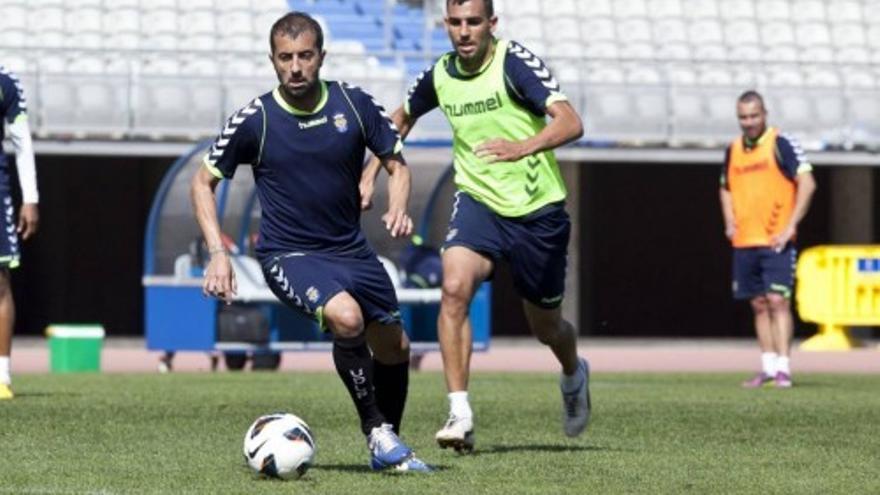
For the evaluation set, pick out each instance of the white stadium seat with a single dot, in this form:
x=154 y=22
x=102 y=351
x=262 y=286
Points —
x=740 y=31
x=736 y=9
x=634 y=30
x=662 y=9
x=774 y=10
x=776 y=33
x=846 y=11
x=627 y=9
x=808 y=10
x=812 y=34
x=598 y=30
x=596 y=8
x=700 y=9
x=669 y=31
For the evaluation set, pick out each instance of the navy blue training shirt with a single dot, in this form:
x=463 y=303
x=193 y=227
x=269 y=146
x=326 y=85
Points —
x=13 y=106
x=306 y=166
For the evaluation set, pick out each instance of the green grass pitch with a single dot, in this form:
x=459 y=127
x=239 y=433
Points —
x=651 y=433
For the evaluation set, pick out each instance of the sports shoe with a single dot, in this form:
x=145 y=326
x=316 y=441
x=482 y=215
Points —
x=758 y=381
x=6 y=391
x=457 y=433
x=388 y=451
x=782 y=380
x=576 y=406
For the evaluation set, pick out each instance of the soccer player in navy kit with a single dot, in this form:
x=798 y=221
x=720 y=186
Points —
x=13 y=111
x=306 y=141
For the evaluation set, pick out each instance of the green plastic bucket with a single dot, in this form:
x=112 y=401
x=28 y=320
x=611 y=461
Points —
x=75 y=348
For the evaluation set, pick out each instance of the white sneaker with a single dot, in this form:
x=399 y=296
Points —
x=457 y=433
x=576 y=404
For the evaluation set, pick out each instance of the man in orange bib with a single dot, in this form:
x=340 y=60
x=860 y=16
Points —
x=766 y=187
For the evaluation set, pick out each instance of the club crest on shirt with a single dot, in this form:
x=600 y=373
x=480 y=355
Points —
x=313 y=294
x=340 y=122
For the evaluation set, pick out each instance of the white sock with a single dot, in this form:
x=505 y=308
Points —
x=768 y=362
x=5 y=378
x=459 y=405
x=783 y=364
x=570 y=383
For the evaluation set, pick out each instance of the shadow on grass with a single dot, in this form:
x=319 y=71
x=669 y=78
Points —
x=38 y=395
x=503 y=449
x=362 y=468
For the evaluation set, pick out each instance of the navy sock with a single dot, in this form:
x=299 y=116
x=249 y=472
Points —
x=355 y=366
x=392 y=383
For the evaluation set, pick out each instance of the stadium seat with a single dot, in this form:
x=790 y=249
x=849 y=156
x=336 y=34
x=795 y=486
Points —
x=808 y=10
x=736 y=9
x=776 y=33
x=628 y=9
x=705 y=31
x=785 y=78
x=740 y=31
x=565 y=49
x=563 y=28
x=844 y=11
x=595 y=30
x=745 y=52
x=673 y=51
x=775 y=10
x=662 y=9
x=812 y=34
x=561 y=8
x=711 y=52
x=522 y=8
x=672 y=30
x=595 y=9
x=700 y=9
x=603 y=50
x=51 y=23
x=634 y=30
x=637 y=51
x=821 y=76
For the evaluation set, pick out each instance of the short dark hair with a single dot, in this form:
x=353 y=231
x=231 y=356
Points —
x=490 y=10
x=293 y=24
x=750 y=96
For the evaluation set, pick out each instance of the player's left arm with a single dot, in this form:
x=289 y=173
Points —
x=383 y=139
x=530 y=82
x=564 y=128
x=794 y=163
x=397 y=219
x=14 y=107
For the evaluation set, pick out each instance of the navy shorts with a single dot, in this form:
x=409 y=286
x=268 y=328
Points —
x=535 y=246
x=761 y=270
x=9 y=252
x=306 y=281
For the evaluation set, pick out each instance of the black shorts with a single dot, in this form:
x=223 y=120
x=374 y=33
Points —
x=761 y=270
x=535 y=246
x=306 y=281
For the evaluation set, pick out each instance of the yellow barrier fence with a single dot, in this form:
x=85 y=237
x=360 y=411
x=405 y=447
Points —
x=837 y=287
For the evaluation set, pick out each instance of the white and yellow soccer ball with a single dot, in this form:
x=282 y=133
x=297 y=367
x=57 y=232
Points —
x=279 y=445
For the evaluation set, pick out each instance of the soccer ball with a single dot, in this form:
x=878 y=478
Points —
x=279 y=445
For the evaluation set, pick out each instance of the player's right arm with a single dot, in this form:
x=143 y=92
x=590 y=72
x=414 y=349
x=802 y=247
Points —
x=421 y=99
x=237 y=143
x=727 y=200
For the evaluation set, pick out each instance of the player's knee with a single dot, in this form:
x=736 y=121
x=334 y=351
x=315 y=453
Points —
x=777 y=303
x=456 y=291
x=760 y=304
x=346 y=322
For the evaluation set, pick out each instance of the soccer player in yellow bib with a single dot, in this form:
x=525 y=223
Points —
x=509 y=204
x=766 y=187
